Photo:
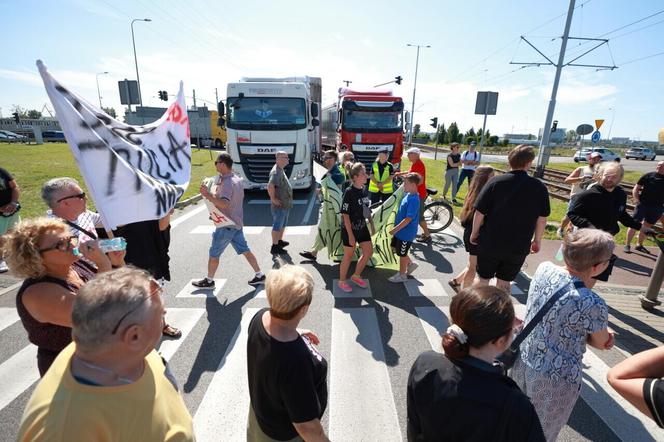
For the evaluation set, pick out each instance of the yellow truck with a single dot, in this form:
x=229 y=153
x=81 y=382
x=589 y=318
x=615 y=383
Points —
x=218 y=134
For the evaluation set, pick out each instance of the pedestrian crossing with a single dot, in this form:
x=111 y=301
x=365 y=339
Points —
x=362 y=403
x=208 y=229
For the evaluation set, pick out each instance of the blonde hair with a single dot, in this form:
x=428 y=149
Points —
x=288 y=289
x=585 y=248
x=21 y=245
x=355 y=170
x=102 y=302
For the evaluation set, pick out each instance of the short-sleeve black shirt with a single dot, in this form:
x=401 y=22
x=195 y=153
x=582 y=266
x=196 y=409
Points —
x=511 y=204
x=455 y=157
x=5 y=190
x=652 y=193
x=355 y=204
x=287 y=381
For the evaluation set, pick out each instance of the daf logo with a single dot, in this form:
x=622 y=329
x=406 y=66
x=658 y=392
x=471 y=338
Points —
x=373 y=147
x=265 y=150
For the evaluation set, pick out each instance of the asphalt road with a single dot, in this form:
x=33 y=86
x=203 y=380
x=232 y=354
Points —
x=370 y=340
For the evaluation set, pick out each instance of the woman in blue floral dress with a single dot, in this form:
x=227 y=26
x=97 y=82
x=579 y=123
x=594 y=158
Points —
x=549 y=367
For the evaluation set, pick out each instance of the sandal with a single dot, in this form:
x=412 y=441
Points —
x=171 y=332
x=358 y=281
x=454 y=284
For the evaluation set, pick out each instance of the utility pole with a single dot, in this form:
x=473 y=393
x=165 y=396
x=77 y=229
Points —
x=216 y=96
x=194 y=95
x=348 y=82
x=412 y=109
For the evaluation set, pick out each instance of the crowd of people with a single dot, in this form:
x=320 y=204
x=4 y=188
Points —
x=97 y=317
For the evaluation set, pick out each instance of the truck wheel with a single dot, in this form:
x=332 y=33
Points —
x=218 y=143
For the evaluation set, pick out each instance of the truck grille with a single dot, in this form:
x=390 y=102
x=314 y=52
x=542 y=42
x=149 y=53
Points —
x=257 y=167
x=366 y=158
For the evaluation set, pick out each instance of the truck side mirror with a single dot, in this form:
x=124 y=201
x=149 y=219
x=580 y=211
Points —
x=221 y=122
x=407 y=118
x=407 y=127
x=221 y=109
x=315 y=122
x=314 y=110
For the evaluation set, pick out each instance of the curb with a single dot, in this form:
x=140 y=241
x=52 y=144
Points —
x=194 y=199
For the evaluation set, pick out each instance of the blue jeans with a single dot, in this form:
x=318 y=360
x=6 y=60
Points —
x=279 y=218
x=223 y=236
x=462 y=176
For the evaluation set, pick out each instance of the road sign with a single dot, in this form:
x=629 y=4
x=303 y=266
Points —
x=596 y=136
x=128 y=92
x=483 y=107
x=598 y=124
x=584 y=129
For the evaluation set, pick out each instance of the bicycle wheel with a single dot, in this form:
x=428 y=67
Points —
x=438 y=216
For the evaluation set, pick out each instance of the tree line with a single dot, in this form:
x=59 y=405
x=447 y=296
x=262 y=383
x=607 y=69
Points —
x=453 y=134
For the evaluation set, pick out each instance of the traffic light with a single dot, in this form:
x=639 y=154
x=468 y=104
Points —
x=398 y=79
x=434 y=122
x=17 y=118
x=163 y=95
x=554 y=126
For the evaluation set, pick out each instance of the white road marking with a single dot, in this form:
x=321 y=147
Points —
x=358 y=371
x=222 y=414
x=356 y=293
x=8 y=316
x=179 y=220
x=260 y=294
x=307 y=215
x=10 y=288
x=205 y=229
x=268 y=202
x=434 y=322
x=17 y=374
x=429 y=288
x=191 y=291
x=183 y=318
x=298 y=230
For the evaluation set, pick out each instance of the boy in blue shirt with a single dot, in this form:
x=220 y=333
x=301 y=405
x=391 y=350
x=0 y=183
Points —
x=405 y=227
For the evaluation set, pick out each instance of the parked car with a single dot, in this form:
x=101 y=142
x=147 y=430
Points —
x=13 y=136
x=4 y=138
x=641 y=153
x=607 y=154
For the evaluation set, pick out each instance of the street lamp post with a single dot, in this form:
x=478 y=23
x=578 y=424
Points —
x=98 y=92
x=613 y=116
x=412 y=109
x=133 y=42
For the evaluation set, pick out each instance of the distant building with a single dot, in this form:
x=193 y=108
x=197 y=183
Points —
x=558 y=136
x=620 y=140
x=518 y=136
x=25 y=126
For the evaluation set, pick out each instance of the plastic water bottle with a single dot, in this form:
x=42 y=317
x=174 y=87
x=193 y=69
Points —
x=112 y=245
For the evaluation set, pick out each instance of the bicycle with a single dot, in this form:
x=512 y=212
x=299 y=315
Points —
x=438 y=213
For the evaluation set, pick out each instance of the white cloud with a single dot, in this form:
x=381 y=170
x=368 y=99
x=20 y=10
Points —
x=26 y=77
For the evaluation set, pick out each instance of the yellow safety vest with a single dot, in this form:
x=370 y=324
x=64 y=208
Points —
x=342 y=170
x=387 y=187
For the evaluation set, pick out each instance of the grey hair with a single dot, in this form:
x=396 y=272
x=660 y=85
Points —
x=101 y=303
x=53 y=187
x=585 y=248
x=612 y=165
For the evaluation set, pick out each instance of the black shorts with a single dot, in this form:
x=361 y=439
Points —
x=649 y=213
x=604 y=276
x=502 y=266
x=653 y=395
x=400 y=246
x=470 y=247
x=361 y=235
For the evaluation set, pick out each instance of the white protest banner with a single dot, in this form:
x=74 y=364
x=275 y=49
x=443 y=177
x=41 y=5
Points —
x=218 y=218
x=133 y=173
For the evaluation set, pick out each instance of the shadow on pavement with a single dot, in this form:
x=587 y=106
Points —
x=632 y=267
x=224 y=320
x=636 y=342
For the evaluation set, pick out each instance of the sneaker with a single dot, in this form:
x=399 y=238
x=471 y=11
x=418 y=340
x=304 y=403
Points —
x=257 y=280
x=345 y=287
x=3 y=267
x=308 y=255
x=398 y=277
x=361 y=283
x=283 y=244
x=277 y=250
x=424 y=238
x=411 y=268
x=454 y=201
x=559 y=232
x=627 y=249
x=204 y=283
x=640 y=248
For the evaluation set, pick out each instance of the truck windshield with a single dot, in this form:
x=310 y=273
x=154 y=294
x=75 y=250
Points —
x=266 y=113
x=372 y=121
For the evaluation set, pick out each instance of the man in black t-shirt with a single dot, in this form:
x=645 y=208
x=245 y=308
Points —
x=649 y=196
x=9 y=206
x=287 y=375
x=509 y=221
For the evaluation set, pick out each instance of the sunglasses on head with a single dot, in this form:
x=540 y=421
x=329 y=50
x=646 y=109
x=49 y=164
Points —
x=64 y=245
x=158 y=291
x=78 y=195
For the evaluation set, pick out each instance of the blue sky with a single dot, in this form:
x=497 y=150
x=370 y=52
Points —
x=210 y=43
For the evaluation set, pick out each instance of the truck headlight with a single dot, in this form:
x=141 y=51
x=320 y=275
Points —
x=301 y=174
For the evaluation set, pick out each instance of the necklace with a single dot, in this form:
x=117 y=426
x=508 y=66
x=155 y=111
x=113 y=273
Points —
x=106 y=371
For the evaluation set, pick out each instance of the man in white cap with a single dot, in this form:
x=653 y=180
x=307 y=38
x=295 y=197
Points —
x=417 y=166
x=580 y=179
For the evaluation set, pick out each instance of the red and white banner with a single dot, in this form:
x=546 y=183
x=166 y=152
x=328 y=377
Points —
x=133 y=173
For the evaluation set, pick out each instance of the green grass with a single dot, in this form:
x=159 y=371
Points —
x=436 y=179
x=32 y=165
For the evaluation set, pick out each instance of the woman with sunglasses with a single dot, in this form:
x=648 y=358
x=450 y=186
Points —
x=46 y=254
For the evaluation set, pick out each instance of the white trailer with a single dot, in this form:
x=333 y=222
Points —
x=267 y=115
